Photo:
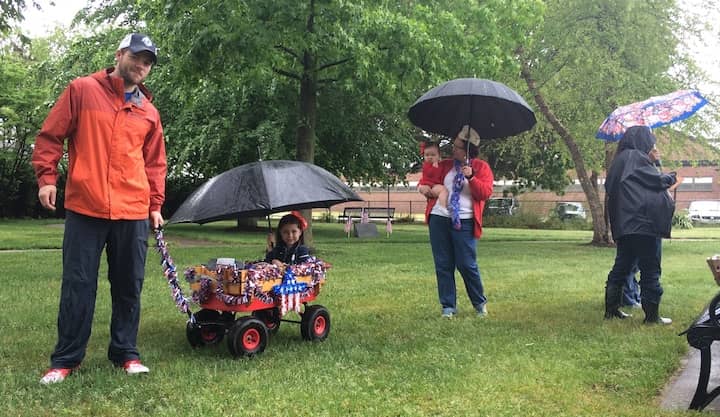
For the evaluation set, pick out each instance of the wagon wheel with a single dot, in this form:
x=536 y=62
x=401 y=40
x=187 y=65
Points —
x=270 y=317
x=192 y=331
x=207 y=329
x=315 y=323
x=248 y=336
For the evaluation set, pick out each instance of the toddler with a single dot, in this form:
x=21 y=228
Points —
x=432 y=173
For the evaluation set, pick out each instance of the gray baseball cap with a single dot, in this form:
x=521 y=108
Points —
x=138 y=42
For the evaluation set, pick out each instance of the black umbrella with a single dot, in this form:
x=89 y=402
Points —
x=491 y=108
x=261 y=188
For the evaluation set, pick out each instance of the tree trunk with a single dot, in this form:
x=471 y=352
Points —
x=600 y=231
x=609 y=156
x=305 y=140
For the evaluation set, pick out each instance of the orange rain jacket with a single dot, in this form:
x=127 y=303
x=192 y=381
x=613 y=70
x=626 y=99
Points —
x=116 y=149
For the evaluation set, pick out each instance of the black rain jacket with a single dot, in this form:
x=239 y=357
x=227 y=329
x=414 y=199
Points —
x=638 y=199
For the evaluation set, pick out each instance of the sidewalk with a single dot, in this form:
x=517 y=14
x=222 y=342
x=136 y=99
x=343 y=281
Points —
x=678 y=393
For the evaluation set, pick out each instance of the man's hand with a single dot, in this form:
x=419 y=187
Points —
x=47 y=195
x=156 y=219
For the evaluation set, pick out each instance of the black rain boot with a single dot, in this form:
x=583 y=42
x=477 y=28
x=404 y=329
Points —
x=651 y=314
x=613 y=299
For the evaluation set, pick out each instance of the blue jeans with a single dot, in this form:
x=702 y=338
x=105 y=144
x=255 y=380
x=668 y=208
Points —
x=631 y=290
x=125 y=242
x=646 y=251
x=453 y=249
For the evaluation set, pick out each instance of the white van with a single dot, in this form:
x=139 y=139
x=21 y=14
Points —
x=704 y=211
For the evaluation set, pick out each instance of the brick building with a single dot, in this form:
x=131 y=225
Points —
x=696 y=163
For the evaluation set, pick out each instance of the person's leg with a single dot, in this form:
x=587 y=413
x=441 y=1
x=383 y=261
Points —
x=126 y=252
x=650 y=269
x=442 y=193
x=83 y=241
x=649 y=255
x=444 y=257
x=624 y=260
x=466 y=261
x=631 y=290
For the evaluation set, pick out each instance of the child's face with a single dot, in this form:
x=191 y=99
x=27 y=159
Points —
x=290 y=234
x=432 y=154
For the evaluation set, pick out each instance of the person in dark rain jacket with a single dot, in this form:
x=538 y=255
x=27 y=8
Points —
x=640 y=208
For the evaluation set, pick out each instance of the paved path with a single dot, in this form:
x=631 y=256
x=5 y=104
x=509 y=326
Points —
x=679 y=391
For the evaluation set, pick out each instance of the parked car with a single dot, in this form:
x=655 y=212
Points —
x=704 y=211
x=567 y=210
x=501 y=206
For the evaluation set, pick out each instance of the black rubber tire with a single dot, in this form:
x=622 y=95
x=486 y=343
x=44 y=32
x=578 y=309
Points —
x=270 y=317
x=315 y=323
x=211 y=327
x=207 y=330
x=248 y=336
x=192 y=331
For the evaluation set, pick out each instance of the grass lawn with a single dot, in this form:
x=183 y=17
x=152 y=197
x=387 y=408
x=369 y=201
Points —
x=544 y=350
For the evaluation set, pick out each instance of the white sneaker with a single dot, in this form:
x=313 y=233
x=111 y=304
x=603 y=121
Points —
x=134 y=367
x=55 y=375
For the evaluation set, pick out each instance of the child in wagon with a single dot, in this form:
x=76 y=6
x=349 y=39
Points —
x=287 y=245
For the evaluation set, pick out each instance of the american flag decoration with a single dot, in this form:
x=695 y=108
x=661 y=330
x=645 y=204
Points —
x=289 y=292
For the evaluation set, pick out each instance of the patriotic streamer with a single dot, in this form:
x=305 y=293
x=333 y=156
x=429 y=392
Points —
x=170 y=273
x=290 y=291
x=257 y=273
x=458 y=182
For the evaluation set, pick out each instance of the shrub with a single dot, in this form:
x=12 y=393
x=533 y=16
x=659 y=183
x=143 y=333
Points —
x=681 y=221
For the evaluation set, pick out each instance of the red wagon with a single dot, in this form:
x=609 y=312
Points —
x=225 y=290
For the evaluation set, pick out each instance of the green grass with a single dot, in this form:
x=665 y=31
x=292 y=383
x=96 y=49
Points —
x=543 y=351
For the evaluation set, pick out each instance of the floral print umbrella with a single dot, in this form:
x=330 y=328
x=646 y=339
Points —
x=653 y=112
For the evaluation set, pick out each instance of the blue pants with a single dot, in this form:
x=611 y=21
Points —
x=453 y=249
x=125 y=242
x=646 y=250
x=631 y=290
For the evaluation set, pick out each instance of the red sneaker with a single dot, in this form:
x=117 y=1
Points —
x=55 y=375
x=134 y=367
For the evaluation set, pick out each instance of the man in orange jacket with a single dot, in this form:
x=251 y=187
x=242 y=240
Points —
x=115 y=190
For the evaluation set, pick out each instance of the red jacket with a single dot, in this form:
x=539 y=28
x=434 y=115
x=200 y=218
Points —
x=481 y=188
x=116 y=149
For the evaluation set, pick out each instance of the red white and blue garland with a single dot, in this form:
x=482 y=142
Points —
x=257 y=273
x=288 y=293
x=170 y=273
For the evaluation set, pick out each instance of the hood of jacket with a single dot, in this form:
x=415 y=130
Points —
x=637 y=137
